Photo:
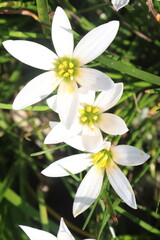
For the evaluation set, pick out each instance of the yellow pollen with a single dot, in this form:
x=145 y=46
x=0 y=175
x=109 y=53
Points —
x=89 y=109
x=71 y=65
x=66 y=74
x=97 y=157
x=102 y=159
x=84 y=119
x=65 y=64
x=61 y=66
x=60 y=72
x=102 y=163
x=70 y=71
x=142 y=154
x=95 y=110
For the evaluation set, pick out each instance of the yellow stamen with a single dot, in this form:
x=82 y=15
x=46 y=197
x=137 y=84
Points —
x=65 y=63
x=66 y=74
x=61 y=66
x=70 y=71
x=95 y=110
x=97 y=157
x=84 y=119
x=89 y=109
x=60 y=72
x=71 y=65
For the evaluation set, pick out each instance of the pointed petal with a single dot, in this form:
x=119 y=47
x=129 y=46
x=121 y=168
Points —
x=86 y=96
x=36 y=90
x=36 y=234
x=67 y=103
x=88 y=190
x=91 y=138
x=58 y=134
x=112 y=124
x=31 y=53
x=117 y=4
x=94 y=43
x=76 y=142
x=128 y=155
x=94 y=80
x=64 y=233
x=75 y=164
x=107 y=99
x=121 y=185
x=52 y=102
x=62 y=35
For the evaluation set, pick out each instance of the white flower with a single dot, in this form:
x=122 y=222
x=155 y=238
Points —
x=91 y=119
x=36 y=234
x=65 y=68
x=102 y=161
x=119 y=3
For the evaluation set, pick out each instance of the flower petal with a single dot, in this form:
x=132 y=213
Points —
x=64 y=233
x=121 y=185
x=62 y=35
x=31 y=53
x=94 y=43
x=128 y=155
x=112 y=124
x=75 y=164
x=107 y=99
x=67 y=103
x=94 y=80
x=36 y=234
x=91 y=137
x=117 y=4
x=86 y=96
x=57 y=134
x=88 y=190
x=36 y=90
x=76 y=142
x=52 y=102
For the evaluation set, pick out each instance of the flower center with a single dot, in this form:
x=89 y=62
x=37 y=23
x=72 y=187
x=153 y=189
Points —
x=66 y=68
x=102 y=159
x=89 y=115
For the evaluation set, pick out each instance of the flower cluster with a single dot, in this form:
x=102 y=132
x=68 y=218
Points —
x=83 y=97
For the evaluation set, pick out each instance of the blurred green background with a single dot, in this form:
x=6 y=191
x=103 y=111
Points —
x=27 y=197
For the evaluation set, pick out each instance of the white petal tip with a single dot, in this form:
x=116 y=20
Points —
x=76 y=214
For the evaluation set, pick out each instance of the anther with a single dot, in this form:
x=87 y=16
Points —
x=71 y=65
x=95 y=110
x=66 y=74
x=89 y=109
x=84 y=119
x=65 y=63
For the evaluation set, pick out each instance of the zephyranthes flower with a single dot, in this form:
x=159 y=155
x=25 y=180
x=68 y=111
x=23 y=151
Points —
x=103 y=160
x=65 y=68
x=36 y=234
x=119 y=3
x=91 y=119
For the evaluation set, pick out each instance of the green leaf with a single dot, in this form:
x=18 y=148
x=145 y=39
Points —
x=42 y=8
x=130 y=70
